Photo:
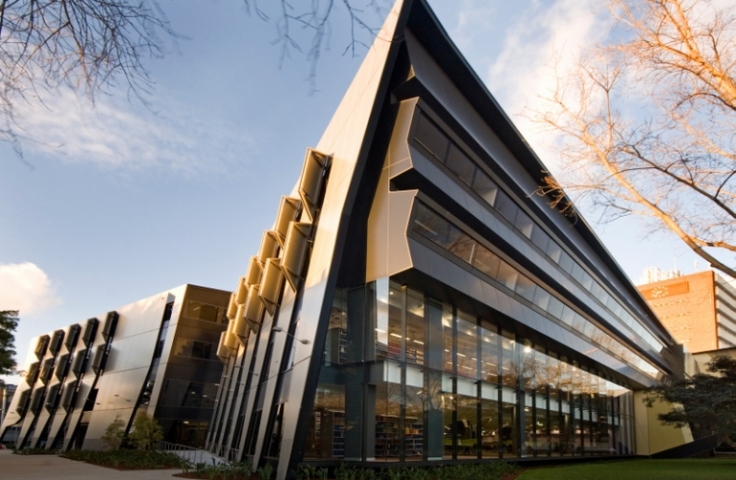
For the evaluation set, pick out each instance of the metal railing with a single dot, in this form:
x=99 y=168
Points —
x=191 y=454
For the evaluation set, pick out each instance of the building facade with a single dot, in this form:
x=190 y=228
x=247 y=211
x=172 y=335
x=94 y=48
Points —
x=699 y=309
x=415 y=301
x=157 y=355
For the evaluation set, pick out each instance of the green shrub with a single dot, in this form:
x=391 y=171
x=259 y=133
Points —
x=146 y=432
x=114 y=434
x=127 y=459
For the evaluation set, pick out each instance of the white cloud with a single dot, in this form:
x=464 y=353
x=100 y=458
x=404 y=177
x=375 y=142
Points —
x=545 y=38
x=27 y=288
x=123 y=134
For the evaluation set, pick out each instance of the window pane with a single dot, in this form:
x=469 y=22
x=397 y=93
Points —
x=566 y=262
x=524 y=224
x=415 y=327
x=489 y=359
x=525 y=287
x=435 y=228
x=431 y=138
x=484 y=186
x=447 y=335
x=486 y=261
x=540 y=238
x=507 y=275
x=555 y=307
x=467 y=345
x=554 y=251
x=463 y=246
x=541 y=298
x=460 y=165
x=506 y=207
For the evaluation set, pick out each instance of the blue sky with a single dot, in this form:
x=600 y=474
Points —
x=123 y=201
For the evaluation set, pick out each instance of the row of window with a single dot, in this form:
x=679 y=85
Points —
x=429 y=136
x=441 y=232
x=449 y=385
x=472 y=349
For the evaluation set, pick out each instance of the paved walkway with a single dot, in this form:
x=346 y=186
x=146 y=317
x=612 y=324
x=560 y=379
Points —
x=51 y=467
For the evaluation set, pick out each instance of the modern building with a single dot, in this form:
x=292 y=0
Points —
x=6 y=396
x=699 y=310
x=417 y=302
x=157 y=355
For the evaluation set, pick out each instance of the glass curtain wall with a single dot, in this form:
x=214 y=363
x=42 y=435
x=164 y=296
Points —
x=408 y=378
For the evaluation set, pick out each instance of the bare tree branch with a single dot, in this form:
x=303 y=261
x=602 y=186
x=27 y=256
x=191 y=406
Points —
x=675 y=163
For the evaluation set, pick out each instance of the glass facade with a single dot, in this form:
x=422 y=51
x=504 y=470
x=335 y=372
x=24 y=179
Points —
x=437 y=382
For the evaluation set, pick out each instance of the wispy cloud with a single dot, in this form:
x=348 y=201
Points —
x=122 y=134
x=546 y=38
x=27 y=288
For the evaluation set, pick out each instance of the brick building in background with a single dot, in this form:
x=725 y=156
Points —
x=699 y=309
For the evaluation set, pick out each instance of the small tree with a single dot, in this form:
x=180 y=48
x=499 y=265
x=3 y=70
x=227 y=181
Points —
x=114 y=433
x=146 y=431
x=8 y=324
x=706 y=402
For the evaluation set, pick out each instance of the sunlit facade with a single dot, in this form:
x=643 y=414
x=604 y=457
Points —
x=157 y=355
x=416 y=302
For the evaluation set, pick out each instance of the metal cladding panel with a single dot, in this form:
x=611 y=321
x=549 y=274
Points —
x=347 y=139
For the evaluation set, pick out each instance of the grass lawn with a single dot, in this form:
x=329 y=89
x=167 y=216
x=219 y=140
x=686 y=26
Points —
x=700 y=469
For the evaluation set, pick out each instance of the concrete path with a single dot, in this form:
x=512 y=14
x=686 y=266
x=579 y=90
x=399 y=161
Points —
x=51 y=467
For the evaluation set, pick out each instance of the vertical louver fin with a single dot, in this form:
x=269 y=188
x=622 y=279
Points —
x=223 y=353
x=269 y=246
x=310 y=185
x=80 y=363
x=62 y=368
x=69 y=397
x=37 y=400
x=288 y=211
x=32 y=373
x=72 y=337
x=100 y=360
x=253 y=277
x=295 y=252
x=111 y=323
x=52 y=399
x=47 y=370
x=23 y=400
x=41 y=346
x=240 y=325
x=90 y=331
x=253 y=308
x=271 y=285
x=57 y=341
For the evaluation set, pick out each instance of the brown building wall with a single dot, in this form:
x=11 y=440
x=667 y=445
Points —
x=686 y=306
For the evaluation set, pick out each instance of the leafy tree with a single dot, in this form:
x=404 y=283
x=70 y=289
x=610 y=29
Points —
x=8 y=324
x=706 y=401
x=114 y=434
x=646 y=123
x=146 y=431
